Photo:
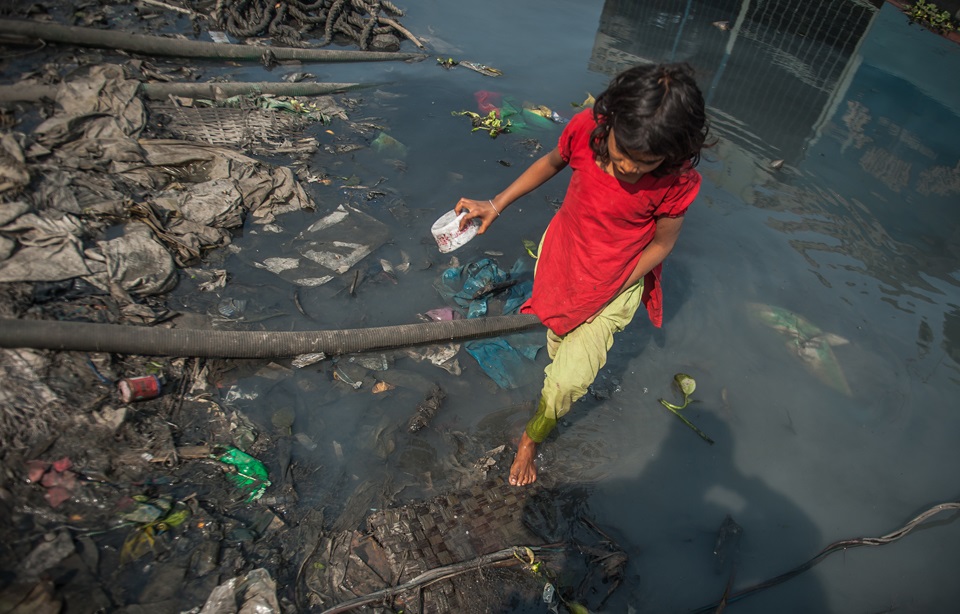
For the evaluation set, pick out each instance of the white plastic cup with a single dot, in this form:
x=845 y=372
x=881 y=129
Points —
x=447 y=231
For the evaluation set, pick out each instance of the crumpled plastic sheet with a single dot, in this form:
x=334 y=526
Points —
x=13 y=170
x=50 y=249
x=252 y=593
x=94 y=157
x=328 y=248
x=265 y=191
x=461 y=284
x=97 y=123
x=500 y=358
x=46 y=554
x=135 y=261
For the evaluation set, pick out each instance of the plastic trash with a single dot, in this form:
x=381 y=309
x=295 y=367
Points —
x=469 y=287
x=251 y=474
x=487 y=101
x=446 y=231
x=139 y=388
x=387 y=145
x=56 y=477
x=254 y=593
x=443 y=313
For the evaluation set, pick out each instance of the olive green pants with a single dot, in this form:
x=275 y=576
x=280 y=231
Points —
x=576 y=359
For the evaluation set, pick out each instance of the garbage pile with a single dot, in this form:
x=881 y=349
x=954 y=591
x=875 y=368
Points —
x=129 y=480
x=136 y=483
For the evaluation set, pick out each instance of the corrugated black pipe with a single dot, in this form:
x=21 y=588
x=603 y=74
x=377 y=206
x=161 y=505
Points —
x=146 y=44
x=159 y=341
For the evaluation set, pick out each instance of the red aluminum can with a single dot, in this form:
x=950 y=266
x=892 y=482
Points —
x=139 y=388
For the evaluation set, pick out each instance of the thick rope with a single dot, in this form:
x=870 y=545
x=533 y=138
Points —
x=290 y=21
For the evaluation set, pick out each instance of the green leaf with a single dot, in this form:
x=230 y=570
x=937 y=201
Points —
x=531 y=247
x=177 y=517
x=686 y=384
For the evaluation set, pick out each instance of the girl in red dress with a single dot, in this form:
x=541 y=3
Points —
x=633 y=157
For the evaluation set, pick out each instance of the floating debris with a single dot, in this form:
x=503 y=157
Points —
x=546 y=113
x=305 y=360
x=426 y=410
x=380 y=387
x=386 y=144
x=153 y=517
x=531 y=248
x=588 y=102
x=687 y=385
x=483 y=69
x=489 y=459
x=776 y=165
x=283 y=419
x=297 y=77
x=491 y=288
x=812 y=345
x=443 y=356
x=728 y=543
x=305 y=440
x=490 y=122
x=339 y=375
x=373 y=362
x=721 y=25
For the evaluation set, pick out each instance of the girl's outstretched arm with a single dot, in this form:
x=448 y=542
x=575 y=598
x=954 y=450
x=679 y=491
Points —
x=536 y=175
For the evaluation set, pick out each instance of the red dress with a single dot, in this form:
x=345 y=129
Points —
x=593 y=243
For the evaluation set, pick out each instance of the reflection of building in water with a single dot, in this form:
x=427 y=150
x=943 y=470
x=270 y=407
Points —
x=778 y=65
x=867 y=130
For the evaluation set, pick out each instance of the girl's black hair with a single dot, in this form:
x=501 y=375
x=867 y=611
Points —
x=655 y=109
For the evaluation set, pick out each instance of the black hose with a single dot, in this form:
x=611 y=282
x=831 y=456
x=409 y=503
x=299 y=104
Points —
x=155 y=45
x=158 y=341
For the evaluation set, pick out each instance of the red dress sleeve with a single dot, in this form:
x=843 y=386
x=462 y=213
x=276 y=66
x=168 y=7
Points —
x=680 y=195
x=577 y=131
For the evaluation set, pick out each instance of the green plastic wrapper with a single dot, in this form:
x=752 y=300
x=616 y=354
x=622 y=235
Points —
x=251 y=474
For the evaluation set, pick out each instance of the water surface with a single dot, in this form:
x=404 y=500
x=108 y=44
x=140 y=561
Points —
x=856 y=233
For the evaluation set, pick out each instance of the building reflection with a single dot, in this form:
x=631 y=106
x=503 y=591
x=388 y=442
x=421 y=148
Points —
x=871 y=173
x=772 y=71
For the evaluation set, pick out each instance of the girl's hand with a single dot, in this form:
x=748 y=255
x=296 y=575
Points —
x=482 y=210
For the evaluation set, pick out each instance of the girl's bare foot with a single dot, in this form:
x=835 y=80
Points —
x=524 y=468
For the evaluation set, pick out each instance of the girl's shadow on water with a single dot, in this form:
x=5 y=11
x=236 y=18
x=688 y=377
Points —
x=668 y=520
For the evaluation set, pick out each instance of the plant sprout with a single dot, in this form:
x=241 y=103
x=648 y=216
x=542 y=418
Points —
x=687 y=385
